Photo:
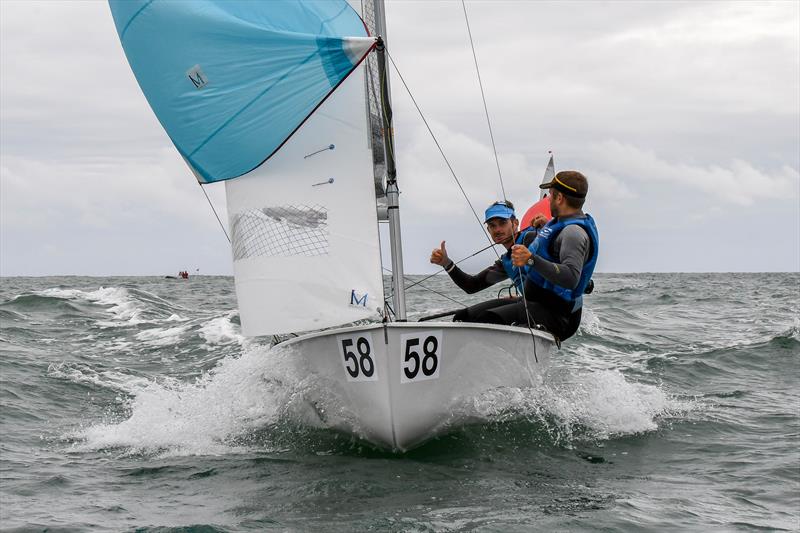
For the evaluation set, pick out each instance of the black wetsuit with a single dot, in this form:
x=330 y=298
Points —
x=487 y=277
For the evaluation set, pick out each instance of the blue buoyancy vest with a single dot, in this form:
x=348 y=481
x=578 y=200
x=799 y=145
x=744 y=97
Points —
x=512 y=271
x=544 y=243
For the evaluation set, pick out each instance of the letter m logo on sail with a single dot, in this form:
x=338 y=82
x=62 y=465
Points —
x=355 y=300
x=197 y=77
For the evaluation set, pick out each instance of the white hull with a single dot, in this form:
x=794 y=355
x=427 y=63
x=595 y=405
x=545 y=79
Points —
x=399 y=384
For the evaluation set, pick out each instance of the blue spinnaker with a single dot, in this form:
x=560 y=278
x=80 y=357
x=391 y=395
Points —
x=231 y=80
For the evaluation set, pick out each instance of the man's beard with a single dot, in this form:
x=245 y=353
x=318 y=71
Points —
x=553 y=207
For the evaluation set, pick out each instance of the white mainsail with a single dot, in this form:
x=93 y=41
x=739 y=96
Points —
x=270 y=97
x=304 y=228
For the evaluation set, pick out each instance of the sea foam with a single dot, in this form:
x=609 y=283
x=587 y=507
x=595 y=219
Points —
x=221 y=330
x=122 y=305
x=577 y=406
x=248 y=394
x=240 y=395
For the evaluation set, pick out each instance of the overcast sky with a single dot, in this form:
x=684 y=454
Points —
x=684 y=116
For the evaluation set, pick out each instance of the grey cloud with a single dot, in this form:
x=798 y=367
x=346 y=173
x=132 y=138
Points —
x=646 y=97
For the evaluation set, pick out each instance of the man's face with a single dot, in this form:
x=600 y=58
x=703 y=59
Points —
x=554 y=195
x=502 y=230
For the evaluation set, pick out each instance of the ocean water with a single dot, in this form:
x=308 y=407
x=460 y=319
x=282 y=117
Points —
x=135 y=404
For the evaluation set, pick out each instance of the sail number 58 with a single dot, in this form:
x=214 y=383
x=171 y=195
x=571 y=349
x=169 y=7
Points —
x=421 y=356
x=357 y=357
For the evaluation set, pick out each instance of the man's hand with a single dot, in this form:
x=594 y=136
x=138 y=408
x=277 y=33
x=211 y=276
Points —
x=539 y=221
x=439 y=256
x=520 y=255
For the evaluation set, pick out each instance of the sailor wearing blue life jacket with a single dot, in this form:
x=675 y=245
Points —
x=559 y=263
x=503 y=226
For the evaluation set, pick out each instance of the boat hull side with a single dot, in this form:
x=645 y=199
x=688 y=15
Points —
x=423 y=373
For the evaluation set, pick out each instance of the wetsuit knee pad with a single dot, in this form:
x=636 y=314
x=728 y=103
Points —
x=508 y=314
x=490 y=317
x=462 y=315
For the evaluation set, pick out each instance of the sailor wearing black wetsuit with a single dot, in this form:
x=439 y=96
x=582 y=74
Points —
x=502 y=225
x=560 y=261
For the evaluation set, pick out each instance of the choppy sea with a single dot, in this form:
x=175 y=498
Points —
x=135 y=404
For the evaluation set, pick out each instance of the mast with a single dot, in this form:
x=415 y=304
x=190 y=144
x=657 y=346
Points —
x=392 y=192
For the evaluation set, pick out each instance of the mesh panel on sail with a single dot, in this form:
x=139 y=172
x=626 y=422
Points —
x=283 y=231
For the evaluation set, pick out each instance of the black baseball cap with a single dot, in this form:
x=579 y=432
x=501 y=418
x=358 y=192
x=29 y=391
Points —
x=569 y=182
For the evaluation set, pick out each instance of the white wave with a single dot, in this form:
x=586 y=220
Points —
x=595 y=405
x=217 y=412
x=121 y=304
x=85 y=375
x=607 y=404
x=221 y=330
x=590 y=323
x=624 y=285
x=240 y=395
x=162 y=336
x=794 y=330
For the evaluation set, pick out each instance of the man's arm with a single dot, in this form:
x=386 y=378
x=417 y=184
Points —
x=572 y=245
x=468 y=283
x=573 y=248
x=483 y=279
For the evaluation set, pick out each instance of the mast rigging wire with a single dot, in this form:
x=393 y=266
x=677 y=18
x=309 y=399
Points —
x=527 y=313
x=483 y=97
x=426 y=288
x=520 y=271
x=436 y=141
x=215 y=212
x=442 y=270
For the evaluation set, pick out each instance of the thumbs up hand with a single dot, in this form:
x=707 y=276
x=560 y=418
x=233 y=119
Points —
x=439 y=256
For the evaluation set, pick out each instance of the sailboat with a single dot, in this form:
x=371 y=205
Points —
x=289 y=104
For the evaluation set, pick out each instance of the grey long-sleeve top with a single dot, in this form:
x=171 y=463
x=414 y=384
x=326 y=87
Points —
x=572 y=247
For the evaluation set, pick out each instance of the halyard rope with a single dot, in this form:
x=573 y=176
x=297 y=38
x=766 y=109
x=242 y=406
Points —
x=447 y=162
x=483 y=96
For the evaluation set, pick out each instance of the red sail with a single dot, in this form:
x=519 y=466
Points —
x=540 y=207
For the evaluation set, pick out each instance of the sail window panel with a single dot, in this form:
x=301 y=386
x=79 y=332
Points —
x=282 y=231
